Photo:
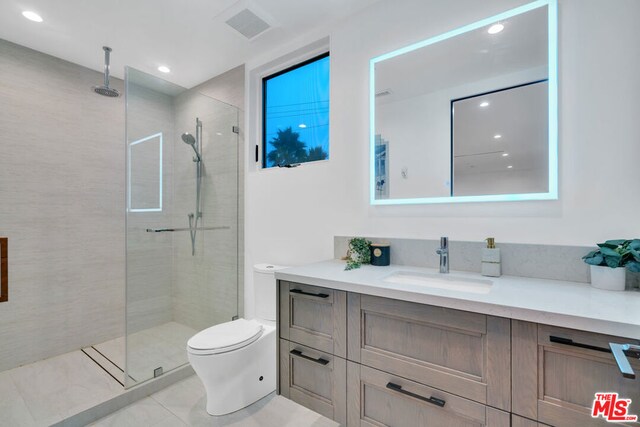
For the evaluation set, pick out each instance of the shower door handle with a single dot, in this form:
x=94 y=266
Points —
x=171 y=230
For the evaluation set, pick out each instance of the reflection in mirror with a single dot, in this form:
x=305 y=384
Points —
x=500 y=142
x=145 y=174
x=499 y=75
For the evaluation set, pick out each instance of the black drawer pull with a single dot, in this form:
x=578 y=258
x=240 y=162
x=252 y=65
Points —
x=568 y=341
x=301 y=292
x=432 y=400
x=319 y=360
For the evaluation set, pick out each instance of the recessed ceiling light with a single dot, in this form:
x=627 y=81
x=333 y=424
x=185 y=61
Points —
x=509 y=167
x=32 y=16
x=484 y=104
x=497 y=136
x=164 y=69
x=302 y=126
x=219 y=133
x=505 y=154
x=495 y=28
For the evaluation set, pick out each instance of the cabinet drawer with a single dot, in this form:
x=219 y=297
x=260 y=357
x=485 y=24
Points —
x=314 y=316
x=376 y=398
x=314 y=379
x=467 y=354
x=568 y=367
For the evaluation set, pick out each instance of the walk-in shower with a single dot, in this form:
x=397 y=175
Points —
x=177 y=282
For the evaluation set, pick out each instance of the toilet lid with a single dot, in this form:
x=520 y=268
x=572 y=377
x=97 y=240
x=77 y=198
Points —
x=226 y=335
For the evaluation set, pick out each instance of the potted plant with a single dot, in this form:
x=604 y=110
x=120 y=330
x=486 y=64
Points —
x=359 y=253
x=610 y=262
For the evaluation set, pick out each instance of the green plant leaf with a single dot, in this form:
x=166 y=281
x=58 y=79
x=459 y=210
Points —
x=595 y=260
x=635 y=244
x=612 y=262
x=616 y=242
x=634 y=266
x=590 y=254
x=608 y=252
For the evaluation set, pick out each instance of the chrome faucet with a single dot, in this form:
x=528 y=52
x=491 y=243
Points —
x=443 y=251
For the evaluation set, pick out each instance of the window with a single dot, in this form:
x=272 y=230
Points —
x=295 y=114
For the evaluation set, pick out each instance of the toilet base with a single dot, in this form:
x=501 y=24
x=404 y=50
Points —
x=238 y=378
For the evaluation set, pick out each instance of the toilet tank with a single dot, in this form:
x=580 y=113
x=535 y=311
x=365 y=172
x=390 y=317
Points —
x=264 y=290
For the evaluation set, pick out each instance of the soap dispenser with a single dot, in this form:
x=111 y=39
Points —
x=491 y=259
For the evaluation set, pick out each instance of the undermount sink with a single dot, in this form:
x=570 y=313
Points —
x=440 y=281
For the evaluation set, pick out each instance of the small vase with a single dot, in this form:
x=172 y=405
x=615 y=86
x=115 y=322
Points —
x=610 y=279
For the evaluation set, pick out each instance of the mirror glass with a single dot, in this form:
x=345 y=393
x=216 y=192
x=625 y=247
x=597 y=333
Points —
x=470 y=115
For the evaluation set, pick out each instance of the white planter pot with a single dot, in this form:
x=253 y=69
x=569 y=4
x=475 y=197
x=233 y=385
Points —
x=611 y=279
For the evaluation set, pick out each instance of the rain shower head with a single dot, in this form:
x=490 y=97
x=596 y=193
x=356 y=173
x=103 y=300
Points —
x=105 y=90
x=187 y=138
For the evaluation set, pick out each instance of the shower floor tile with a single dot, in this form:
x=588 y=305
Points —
x=183 y=404
x=160 y=346
x=48 y=391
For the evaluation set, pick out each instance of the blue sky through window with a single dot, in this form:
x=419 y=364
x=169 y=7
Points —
x=298 y=99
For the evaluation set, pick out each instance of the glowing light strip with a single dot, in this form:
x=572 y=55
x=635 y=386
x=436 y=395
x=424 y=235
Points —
x=553 y=108
x=158 y=209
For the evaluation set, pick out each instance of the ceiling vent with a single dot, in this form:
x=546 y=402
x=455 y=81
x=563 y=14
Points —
x=247 y=23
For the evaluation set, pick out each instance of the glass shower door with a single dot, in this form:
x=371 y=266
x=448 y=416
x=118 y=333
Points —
x=182 y=221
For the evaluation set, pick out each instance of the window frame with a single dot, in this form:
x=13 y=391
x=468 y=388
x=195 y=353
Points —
x=265 y=79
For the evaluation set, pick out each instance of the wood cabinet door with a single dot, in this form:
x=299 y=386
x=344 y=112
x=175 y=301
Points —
x=314 y=316
x=376 y=398
x=467 y=354
x=314 y=379
x=557 y=371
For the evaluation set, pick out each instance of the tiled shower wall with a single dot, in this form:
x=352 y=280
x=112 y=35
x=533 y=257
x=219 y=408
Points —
x=207 y=288
x=61 y=206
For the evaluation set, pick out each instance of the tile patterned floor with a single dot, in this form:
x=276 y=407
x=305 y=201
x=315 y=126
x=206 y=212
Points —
x=183 y=404
x=161 y=346
x=48 y=391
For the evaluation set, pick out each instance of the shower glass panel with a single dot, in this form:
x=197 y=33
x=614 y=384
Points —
x=182 y=221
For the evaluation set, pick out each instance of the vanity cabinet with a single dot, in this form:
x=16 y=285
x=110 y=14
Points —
x=312 y=367
x=557 y=371
x=466 y=354
x=314 y=379
x=378 y=398
x=364 y=360
x=314 y=316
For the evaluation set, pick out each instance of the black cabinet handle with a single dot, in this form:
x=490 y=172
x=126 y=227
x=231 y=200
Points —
x=301 y=292
x=319 y=360
x=432 y=400
x=568 y=341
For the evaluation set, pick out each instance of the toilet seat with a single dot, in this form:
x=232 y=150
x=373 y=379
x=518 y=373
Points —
x=225 y=337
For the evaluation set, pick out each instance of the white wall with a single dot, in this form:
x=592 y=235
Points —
x=293 y=214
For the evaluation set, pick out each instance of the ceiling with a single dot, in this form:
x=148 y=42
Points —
x=190 y=37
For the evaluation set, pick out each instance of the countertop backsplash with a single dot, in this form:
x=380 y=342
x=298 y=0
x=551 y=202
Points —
x=538 y=261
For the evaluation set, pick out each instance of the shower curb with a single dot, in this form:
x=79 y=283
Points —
x=126 y=398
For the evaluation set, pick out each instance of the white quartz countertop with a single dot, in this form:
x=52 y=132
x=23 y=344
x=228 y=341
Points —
x=552 y=302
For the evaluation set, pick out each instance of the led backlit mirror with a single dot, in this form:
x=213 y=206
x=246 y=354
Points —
x=469 y=115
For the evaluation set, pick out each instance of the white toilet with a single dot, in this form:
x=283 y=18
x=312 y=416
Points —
x=236 y=361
